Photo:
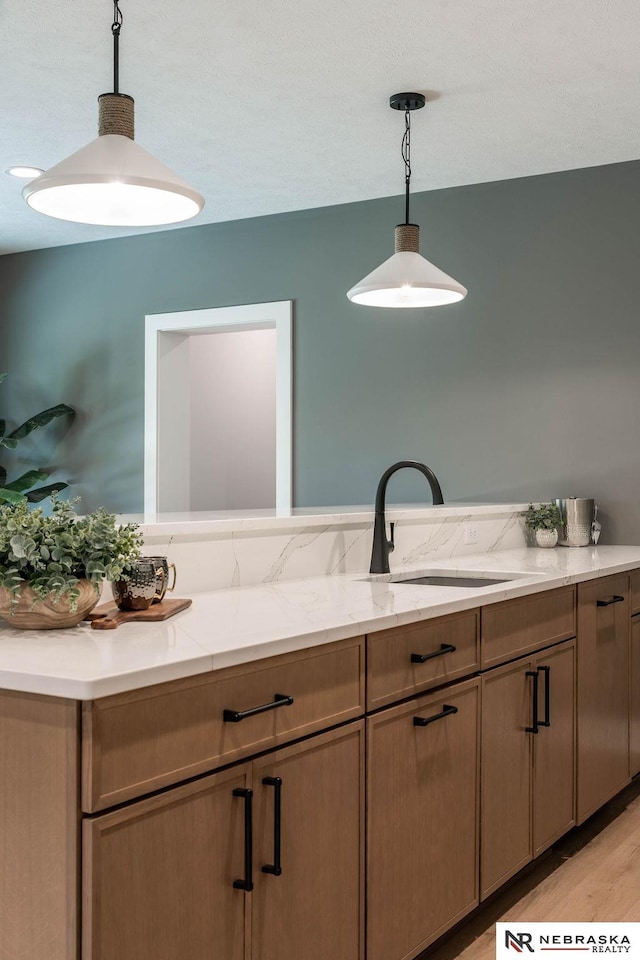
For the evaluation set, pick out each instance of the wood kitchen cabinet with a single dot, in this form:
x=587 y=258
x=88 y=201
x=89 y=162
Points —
x=39 y=843
x=634 y=707
x=603 y=691
x=422 y=820
x=554 y=746
x=158 y=875
x=634 y=677
x=223 y=816
x=156 y=736
x=405 y=661
x=528 y=760
x=182 y=874
x=314 y=908
x=515 y=628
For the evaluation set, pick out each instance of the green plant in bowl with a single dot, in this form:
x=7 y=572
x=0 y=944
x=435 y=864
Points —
x=52 y=567
x=544 y=516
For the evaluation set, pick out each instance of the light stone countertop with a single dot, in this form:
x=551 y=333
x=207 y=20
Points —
x=227 y=627
x=228 y=521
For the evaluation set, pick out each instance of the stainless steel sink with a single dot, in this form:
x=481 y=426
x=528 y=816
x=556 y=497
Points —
x=451 y=581
x=441 y=577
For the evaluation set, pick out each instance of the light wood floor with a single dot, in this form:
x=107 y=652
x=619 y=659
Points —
x=592 y=874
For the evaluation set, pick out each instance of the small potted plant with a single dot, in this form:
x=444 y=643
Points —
x=544 y=519
x=52 y=567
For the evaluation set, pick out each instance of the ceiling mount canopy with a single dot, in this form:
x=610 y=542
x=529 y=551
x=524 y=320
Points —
x=113 y=181
x=406 y=279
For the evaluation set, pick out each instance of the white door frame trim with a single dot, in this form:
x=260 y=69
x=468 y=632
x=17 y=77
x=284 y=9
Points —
x=253 y=316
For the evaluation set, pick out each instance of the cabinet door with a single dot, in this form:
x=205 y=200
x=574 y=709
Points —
x=313 y=908
x=554 y=747
x=634 y=726
x=507 y=713
x=603 y=691
x=421 y=820
x=158 y=875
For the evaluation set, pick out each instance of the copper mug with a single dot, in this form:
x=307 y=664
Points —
x=137 y=589
x=162 y=581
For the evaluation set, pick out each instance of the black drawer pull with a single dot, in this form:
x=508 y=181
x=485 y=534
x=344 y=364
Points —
x=275 y=868
x=425 y=721
x=247 y=796
x=423 y=657
x=534 y=727
x=607 y=603
x=235 y=716
x=547 y=697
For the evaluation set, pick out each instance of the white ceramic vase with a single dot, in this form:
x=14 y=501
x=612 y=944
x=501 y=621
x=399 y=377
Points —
x=546 y=538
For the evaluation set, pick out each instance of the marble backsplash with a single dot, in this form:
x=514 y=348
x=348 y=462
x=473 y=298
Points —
x=245 y=554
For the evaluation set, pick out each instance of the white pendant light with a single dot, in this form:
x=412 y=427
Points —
x=113 y=181
x=406 y=279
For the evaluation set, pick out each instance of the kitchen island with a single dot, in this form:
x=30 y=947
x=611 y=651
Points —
x=197 y=787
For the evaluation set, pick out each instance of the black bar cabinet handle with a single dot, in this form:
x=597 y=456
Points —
x=247 y=796
x=235 y=716
x=425 y=721
x=547 y=697
x=534 y=728
x=275 y=868
x=423 y=657
x=607 y=603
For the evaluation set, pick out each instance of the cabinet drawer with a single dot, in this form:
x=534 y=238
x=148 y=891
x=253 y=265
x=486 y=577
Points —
x=635 y=591
x=137 y=742
x=449 y=646
x=603 y=592
x=512 y=628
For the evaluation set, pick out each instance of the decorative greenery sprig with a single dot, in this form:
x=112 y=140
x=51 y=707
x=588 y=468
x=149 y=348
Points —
x=52 y=553
x=546 y=516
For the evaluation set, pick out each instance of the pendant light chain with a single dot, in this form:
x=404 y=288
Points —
x=115 y=30
x=407 y=234
x=406 y=156
x=116 y=110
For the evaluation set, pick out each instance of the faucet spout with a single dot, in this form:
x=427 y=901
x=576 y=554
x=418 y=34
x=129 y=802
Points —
x=381 y=546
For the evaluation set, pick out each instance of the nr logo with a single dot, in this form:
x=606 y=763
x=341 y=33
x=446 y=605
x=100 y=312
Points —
x=518 y=941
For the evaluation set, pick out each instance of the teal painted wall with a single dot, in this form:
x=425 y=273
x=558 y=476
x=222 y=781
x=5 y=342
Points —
x=528 y=389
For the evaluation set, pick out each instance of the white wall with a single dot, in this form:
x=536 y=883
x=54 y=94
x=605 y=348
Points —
x=174 y=412
x=233 y=420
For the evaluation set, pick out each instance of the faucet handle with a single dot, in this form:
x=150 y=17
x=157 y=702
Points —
x=391 y=543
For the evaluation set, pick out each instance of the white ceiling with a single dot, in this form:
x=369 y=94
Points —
x=275 y=105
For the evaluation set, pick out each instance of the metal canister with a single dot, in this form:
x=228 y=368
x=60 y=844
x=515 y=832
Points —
x=577 y=516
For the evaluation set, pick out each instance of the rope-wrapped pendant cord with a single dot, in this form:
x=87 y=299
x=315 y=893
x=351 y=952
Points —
x=407 y=238
x=116 y=115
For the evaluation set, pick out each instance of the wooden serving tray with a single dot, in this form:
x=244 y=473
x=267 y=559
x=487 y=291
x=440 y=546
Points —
x=108 y=616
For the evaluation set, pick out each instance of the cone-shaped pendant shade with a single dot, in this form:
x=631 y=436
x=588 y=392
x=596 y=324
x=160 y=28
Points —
x=114 y=182
x=406 y=279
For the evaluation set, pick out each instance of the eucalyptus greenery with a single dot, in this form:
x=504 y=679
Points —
x=546 y=516
x=24 y=487
x=53 y=553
